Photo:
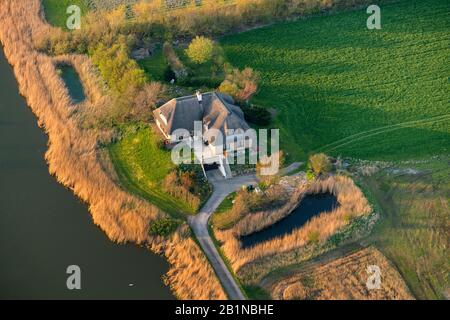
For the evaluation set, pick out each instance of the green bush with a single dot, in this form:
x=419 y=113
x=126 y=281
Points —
x=320 y=163
x=313 y=236
x=257 y=115
x=240 y=84
x=163 y=227
x=121 y=73
x=200 y=187
x=310 y=176
x=200 y=50
x=169 y=75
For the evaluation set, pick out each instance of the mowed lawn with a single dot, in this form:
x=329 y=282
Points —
x=142 y=166
x=346 y=90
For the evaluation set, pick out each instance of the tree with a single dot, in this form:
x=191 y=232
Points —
x=121 y=73
x=320 y=163
x=229 y=88
x=146 y=100
x=241 y=85
x=200 y=50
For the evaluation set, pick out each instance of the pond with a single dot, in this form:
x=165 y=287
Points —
x=73 y=83
x=44 y=228
x=310 y=206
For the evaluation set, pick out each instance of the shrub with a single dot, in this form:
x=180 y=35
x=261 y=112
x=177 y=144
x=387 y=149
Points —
x=320 y=163
x=310 y=176
x=175 y=63
x=264 y=168
x=121 y=73
x=313 y=236
x=163 y=227
x=169 y=74
x=146 y=100
x=241 y=85
x=178 y=185
x=218 y=17
x=256 y=114
x=200 y=50
x=229 y=88
x=191 y=177
x=271 y=198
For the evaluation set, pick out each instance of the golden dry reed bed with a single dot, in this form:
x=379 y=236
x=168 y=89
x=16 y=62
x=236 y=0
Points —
x=344 y=278
x=73 y=155
x=352 y=203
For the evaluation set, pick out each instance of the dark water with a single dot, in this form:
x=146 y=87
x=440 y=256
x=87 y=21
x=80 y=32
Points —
x=310 y=206
x=44 y=228
x=73 y=83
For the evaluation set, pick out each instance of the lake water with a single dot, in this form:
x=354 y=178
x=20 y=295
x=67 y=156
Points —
x=310 y=206
x=44 y=228
x=73 y=83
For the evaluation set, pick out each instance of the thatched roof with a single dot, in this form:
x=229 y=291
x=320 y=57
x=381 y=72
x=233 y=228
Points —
x=216 y=110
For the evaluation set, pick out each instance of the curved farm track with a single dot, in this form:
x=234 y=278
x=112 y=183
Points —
x=373 y=132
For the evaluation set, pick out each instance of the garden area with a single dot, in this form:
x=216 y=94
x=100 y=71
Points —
x=145 y=168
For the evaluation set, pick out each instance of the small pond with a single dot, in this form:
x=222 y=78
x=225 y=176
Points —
x=73 y=83
x=310 y=206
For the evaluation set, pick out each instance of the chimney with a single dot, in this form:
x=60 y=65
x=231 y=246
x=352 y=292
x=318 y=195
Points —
x=200 y=101
x=199 y=97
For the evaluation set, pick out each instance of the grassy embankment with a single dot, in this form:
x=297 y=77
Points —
x=330 y=78
x=142 y=166
x=222 y=217
x=414 y=232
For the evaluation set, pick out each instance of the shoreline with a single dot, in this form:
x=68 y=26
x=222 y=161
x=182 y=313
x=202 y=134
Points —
x=74 y=158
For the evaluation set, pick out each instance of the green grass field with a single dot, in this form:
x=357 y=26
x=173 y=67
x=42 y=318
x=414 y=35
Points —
x=154 y=66
x=142 y=165
x=414 y=231
x=55 y=10
x=346 y=90
x=222 y=217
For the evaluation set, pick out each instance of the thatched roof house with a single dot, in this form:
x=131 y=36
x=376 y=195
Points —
x=215 y=110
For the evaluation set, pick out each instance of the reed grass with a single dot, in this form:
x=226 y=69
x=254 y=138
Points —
x=74 y=155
